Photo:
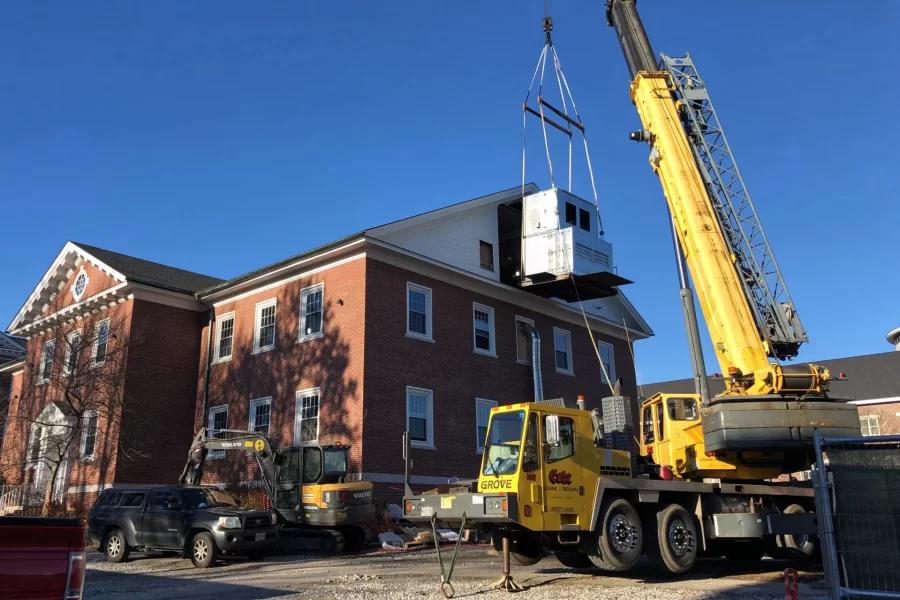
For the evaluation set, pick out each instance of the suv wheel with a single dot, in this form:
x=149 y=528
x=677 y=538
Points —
x=115 y=547
x=204 y=551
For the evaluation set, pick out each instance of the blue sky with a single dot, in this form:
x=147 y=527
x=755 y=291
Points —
x=222 y=136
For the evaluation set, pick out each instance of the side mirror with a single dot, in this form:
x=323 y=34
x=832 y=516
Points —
x=551 y=430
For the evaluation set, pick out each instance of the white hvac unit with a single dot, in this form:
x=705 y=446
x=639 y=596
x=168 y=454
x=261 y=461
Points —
x=562 y=242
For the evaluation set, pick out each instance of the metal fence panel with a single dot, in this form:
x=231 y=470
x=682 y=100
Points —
x=857 y=483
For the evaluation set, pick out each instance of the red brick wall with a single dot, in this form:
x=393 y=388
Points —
x=12 y=452
x=888 y=416
x=97 y=282
x=455 y=373
x=333 y=363
x=160 y=392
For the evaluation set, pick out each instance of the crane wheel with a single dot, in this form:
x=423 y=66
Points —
x=574 y=561
x=798 y=548
x=620 y=542
x=672 y=547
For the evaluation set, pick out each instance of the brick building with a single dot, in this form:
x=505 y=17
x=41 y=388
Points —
x=410 y=325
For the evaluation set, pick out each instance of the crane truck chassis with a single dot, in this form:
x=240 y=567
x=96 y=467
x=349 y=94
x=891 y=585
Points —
x=549 y=484
x=306 y=485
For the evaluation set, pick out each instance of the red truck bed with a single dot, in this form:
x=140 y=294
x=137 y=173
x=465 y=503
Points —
x=41 y=558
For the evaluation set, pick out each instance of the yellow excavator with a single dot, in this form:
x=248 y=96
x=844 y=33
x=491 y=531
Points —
x=558 y=478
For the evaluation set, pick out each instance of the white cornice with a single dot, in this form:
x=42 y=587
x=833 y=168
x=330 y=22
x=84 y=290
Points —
x=99 y=301
x=167 y=297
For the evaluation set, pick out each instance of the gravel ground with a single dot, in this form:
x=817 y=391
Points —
x=416 y=576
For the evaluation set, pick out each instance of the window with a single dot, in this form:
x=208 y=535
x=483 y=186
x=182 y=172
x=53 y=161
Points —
x=224 y=337
x=523 y=340
x=101 y=342
x=311 y=312
x=133 y=499
x=483 y=322
x=167 y=501
x=682 y=409
x=609 y=362
x=660 y=411
x=648 y=425
x=260 y=415
x=419 y=416
x=530 y=456
x=306 y=417
x=487 y=255
x=418 y=307
x=46 y=361
x=571 y=214
x=585 y=219
x=88 y=434
x=566 y=446
x=73 y=345
x=114 y=498
x=562 y=346
x=81 y=281
x=312 y=465
x=264 y=335
x=482 y=417
x=218 y=420
x=868 y=424
x=34 y=447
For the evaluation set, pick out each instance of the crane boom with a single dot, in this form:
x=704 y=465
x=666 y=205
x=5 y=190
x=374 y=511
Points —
x=749 y=319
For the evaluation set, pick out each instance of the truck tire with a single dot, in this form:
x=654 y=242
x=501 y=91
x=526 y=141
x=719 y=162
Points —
x=672 y=548
x=744 y=551
x=799 y=548
x=524 y=555
x=115 y=546
x=204 y=551
x=574 y=561
x=620 y=542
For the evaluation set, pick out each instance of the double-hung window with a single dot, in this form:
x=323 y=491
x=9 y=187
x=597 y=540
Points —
x=264 y=332
x=47 y=353
x=88 y=435
x=73 y=346
x=483 y=323
x=260 y=414
x=418 y=308
x=562 y=346
x=306 y=420
x=420 y=416
x=482 y=417
x=868 y=425
x=609 y=362
x=311 y=312
x=224 y=337
x=36 y=443
x=101 y=343
x=218 y=420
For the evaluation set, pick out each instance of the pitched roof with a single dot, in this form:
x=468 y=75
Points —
x=151 y=273
x=869 y=377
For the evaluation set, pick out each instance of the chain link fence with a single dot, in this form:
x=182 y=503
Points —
x=857 y=484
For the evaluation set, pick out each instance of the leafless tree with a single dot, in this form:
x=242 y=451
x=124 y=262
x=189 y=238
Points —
x=73 y=398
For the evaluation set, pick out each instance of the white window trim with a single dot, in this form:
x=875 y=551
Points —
x=96 y=344
x=429 y=416
x=83 y=442
x=218 y=338
x=87 y=280
x=41 y=380
x=298 y=412
x=210 y=425
x=69 y=336
x=568 y=334
x=429 y=332
x=491 y=330
x=304 y=293
x=256 y=403
x=612 y=362
x=523 y=320
x=479 y=443
x=257 y=349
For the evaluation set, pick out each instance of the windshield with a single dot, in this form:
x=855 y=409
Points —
x=197 y=498
x=221 y=498
x=336 y=460
x=501 y=450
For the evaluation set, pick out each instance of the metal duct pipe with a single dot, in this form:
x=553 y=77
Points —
x=535 y=361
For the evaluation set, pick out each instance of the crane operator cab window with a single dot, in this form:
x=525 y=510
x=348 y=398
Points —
x=682 y=409
x=564 y=446
x=648 y=425
x=504 y=439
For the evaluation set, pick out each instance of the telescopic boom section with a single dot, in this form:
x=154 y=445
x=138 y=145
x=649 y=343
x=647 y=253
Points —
x=739 y=340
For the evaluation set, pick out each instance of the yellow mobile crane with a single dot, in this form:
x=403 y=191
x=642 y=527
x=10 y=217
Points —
x=558 y=478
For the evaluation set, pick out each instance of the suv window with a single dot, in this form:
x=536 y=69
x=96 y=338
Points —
x=114 y=498
x=133 y=499
x=103 y=500
x=164 y=501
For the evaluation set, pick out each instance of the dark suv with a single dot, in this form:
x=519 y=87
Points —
x=199 y=522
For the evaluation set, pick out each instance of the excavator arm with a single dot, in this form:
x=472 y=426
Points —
x=249 y=442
